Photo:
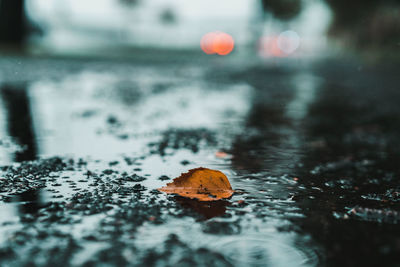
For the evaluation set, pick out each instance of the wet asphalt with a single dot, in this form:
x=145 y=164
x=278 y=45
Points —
x=310 y=147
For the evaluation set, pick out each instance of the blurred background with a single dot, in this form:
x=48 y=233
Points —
x=111 y=27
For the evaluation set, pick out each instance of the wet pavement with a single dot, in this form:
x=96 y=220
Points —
x=311 y=149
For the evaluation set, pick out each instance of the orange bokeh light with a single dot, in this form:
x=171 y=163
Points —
x=217 y=43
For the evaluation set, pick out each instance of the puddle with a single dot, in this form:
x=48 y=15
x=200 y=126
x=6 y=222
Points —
x=122 y=131
x=119 y=135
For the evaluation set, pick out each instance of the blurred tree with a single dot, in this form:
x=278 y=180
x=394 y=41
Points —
x=366 y=22
x=362 y=23
x=347 y=13
x=168 y=16
x=12 y=21
x=129 y=2
x=282 y=9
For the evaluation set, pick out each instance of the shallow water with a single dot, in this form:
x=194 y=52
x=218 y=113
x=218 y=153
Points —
x=126 y=124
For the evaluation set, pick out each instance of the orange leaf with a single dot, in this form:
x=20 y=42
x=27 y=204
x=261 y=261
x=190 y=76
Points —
x=200 y=183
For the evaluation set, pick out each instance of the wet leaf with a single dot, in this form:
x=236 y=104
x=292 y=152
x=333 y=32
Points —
x=202 y=184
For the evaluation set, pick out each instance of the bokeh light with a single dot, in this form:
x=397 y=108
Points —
x=206 y=43
x=217 y=43
x=282 y=45
x=288 y=41
x=269 y=47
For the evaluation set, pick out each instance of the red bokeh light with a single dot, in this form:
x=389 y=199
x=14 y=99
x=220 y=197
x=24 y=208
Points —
x=217 y=43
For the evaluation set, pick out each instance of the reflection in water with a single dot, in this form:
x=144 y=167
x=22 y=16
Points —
x=19 y=123
x=268 y=152
x=265 y=143
x=352 y=130
x=30 y=201
x=272 y=140
x=246 y=230
x=16 y=102
x=208 y=209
